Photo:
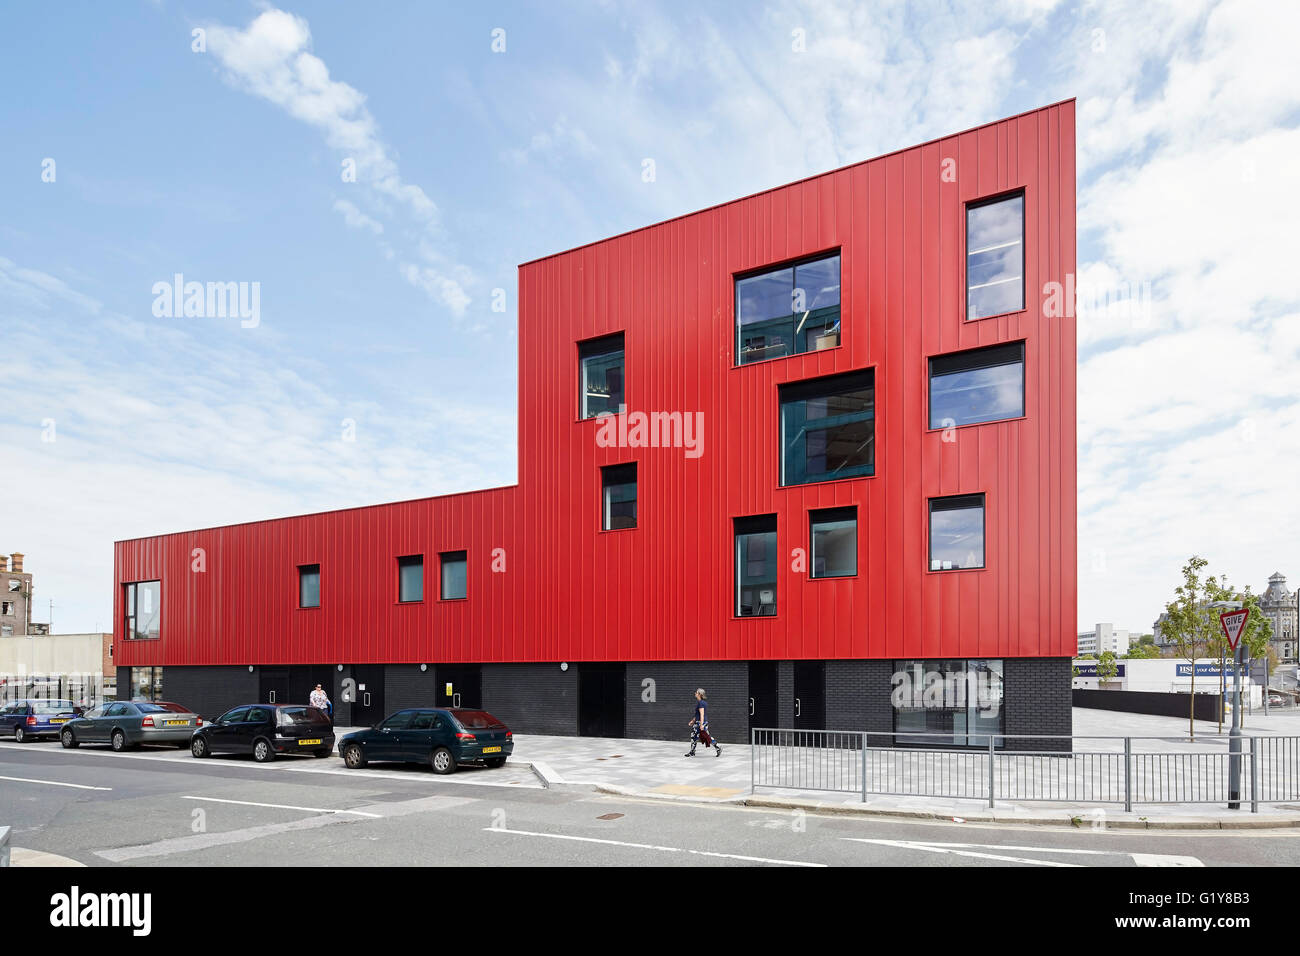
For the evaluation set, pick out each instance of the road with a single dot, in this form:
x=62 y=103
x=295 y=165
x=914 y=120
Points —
x=163 y=807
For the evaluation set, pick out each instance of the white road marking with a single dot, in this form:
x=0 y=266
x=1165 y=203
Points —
x=281 y=806
x=965 y=849
x=1162 y=859
x=949 y=849
x=650 y=846
x=55 y=783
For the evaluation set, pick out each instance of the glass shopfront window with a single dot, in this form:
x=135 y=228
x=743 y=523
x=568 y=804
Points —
x=955 y=703
x=146 y=683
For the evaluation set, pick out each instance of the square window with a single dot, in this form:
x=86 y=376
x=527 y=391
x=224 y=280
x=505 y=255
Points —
x=454 y=586
x=982 y=385
x=309 y=585
x=957 y=533
x=600 y=376
x=618 y=496
x=410 y=578
x=834 y=540
x=788 y=310
x=995 y=256
x=828 y=428
x=143 y=620
x=756 y=565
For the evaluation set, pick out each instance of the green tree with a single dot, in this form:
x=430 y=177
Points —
x=1192 y=626
x=1106 y=667
x=1256 y=636
x=1142 y=652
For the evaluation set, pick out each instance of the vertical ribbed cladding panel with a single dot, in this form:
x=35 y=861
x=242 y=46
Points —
x=664 y=590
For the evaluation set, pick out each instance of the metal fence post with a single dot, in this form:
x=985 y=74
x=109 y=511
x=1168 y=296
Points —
x=1128 y=774
x=753 y=755
x=864 y=768
x=991 y=739
x=1254 y=776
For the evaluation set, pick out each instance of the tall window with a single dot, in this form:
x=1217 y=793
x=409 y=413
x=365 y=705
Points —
x=143 y=611
x=410 y=578
x=618 y=496
x=982 y=385
x=995 y=256
x=834 y=533
x=309 y=585
x=453 y=575
x=600 y=363
x=756 y=564
x=956 y=703
x=957 y=533
x=828 y=428
x=788 y=310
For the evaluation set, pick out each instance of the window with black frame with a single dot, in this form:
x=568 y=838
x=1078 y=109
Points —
x=981 y=385
x=957 y=533
x=828 y=428
x=756 y=566
x=454 y=575
x=834 y=542
x=995 y=256
x=618 y=496
x=788 y=310
x=948 y=703
x=410 y=578
x=143 y=606
x=308 y=585
x=600 y=376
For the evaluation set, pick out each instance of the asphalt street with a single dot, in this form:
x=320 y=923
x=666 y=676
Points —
x=163 y=807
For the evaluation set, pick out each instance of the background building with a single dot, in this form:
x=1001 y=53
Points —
x=1278 y=605
x=1105 y=637
x=785 y=448
x=15 y=596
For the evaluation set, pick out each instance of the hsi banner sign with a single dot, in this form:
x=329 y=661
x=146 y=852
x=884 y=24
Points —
x=1204 y=670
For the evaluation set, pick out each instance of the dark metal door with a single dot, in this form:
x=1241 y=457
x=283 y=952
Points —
x=809 y=695
x=368 y=708
x=601 y=699
x=763 y=691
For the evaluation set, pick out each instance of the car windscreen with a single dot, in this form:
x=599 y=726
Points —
x=477 y=720
x=51 y=707
x=303 y=715
x=160 y=707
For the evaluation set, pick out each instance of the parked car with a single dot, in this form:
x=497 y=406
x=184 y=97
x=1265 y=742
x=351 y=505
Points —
x=443 y=739
x=1275 y=700
x=125 y=724
x=33 y=719
x=265 y=730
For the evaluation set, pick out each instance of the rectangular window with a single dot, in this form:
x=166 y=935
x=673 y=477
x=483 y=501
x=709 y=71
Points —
x=834 y=534
x=756 y=563
x=957 y=533
x=143 y=611
x=309 y=585
x=410 y=578
x=955 y=703
x=828 y=428
x=995 y=256
x=453 y=575
x=788 y=310
x=600 y=363
x=982 y=385
x=618 y=496
x=146 y=683
x=6 y=607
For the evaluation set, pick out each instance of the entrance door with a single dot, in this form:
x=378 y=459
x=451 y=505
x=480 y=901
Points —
x=273 y=683
x=763 y=684
x=601 y=699
x=368 y=708
x=810 y=695
x=466 y=682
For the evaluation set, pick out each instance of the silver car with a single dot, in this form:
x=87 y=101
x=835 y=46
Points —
x=126 y=724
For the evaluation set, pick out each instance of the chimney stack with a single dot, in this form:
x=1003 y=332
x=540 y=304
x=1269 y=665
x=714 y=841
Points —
x=4 y=563
x=18 y=563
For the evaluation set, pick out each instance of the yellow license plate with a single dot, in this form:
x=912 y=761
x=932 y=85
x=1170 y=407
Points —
x=177 y=723
x=308 y=743
x=58 y=720
x=491 y=750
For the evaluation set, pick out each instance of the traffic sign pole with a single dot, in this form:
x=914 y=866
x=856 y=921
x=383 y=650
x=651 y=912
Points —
x=1233 y=623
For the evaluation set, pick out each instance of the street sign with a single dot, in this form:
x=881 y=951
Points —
x=1233 y=623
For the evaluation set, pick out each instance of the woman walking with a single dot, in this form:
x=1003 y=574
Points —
x=700 y=726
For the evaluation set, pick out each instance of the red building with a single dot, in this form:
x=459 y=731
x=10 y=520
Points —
x=801 y=449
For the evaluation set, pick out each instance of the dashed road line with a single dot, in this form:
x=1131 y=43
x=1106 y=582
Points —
x=651 y=846
x=54 y=783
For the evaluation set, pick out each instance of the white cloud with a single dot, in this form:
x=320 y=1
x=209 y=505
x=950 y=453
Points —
x=355 y=218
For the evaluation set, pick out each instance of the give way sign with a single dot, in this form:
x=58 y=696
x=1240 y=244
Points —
x=1233 y=623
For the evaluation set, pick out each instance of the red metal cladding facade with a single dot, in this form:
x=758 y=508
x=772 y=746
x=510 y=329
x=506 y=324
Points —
x=664 y=590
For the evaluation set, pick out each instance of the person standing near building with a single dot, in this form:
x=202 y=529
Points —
x=321 y=701
x=700 y=725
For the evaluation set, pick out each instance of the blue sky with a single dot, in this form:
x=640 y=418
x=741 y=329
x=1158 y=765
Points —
x=376 y=296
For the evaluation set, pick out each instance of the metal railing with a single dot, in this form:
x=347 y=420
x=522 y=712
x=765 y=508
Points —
x=1017 y=767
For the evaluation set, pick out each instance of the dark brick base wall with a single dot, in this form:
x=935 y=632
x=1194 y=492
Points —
x=209 y=691
x=1038 y=700
x=533 y=698
x=785 y=694
x=857 y=697
x=665 y=717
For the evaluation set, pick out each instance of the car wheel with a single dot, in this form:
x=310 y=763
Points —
x=442 y=761
x=495 y=761
x=119 y=741
x=199 y=747
x=263 y=752
x=353 y=757
x=68 y=739
x=20 y=733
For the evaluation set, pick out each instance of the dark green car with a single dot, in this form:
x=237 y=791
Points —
x=443 y=739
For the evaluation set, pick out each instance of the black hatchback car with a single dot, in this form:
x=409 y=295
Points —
x=443 y=739
x=265 y=730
